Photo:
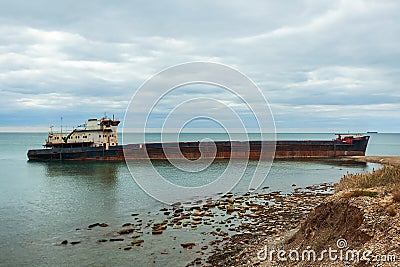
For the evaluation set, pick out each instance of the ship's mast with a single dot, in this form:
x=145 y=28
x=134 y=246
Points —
x=61 y=138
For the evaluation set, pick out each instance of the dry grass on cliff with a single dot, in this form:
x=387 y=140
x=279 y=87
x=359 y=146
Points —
x=386 y=176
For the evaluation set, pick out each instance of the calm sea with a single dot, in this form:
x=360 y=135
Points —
x=42 y=204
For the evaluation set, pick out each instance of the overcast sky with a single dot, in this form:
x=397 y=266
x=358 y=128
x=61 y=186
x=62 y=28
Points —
x=324 y=66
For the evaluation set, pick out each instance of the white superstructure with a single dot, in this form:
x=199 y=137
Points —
x=102 y=132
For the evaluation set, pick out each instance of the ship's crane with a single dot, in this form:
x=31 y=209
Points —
x=68 y=136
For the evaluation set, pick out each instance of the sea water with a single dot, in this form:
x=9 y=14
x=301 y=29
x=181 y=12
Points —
x=42 y=203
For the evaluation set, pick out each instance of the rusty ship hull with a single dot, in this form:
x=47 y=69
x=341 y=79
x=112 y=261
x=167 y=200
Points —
x=284 y=149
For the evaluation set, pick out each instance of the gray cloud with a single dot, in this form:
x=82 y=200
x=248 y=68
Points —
x=333 y=65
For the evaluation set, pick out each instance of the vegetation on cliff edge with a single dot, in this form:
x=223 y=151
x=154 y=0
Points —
x=386 y=176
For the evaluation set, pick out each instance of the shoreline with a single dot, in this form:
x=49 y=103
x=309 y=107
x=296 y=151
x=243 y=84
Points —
x=385 y=160
x=241 y=249
x=229 y=224
x=356 y=219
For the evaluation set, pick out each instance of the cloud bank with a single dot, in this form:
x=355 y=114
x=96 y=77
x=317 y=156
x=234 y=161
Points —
x=323 y=66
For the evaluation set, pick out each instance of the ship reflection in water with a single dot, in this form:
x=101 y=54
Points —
x=105 y=171
x=78 y=185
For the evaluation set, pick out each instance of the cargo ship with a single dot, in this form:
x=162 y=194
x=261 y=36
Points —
x=97 y=140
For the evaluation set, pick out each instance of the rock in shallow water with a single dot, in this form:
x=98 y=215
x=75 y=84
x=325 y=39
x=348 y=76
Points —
x=157 y=232
x=93 y=225
x=137 y=241
x=126 y=231
x=188 y=245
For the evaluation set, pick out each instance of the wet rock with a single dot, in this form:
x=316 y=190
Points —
x=157 y=232
x=213 y=242
x=75 y=242
x=208 y=205
x=222 y=233
x=126 y=231
x=185 y=216
x=188 y=245
x=159 y=227
x=178 y=211
x=230 y=208
x=64 y=242
x=103 y=224
x=93 y=225
x=198 y=213
x=134 y=214
x=128 y=248
x=231 y=200
x=102 y=240
x=137 y=241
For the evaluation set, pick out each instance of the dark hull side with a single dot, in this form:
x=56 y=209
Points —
x=190 y=150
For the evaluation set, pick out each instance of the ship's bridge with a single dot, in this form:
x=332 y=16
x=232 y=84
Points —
x=102 y=132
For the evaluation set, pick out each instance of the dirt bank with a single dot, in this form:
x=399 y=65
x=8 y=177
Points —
x=368 y=225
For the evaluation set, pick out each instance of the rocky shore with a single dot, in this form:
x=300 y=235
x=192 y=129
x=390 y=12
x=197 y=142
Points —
x=269 y=223
x=359 y=225
x=233 y=225
x=252 y=229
